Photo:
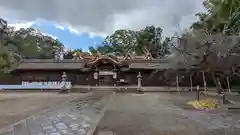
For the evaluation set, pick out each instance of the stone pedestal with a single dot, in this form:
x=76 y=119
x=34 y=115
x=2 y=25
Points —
x=223 y=99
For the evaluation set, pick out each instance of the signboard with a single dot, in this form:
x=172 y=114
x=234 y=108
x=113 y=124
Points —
x=106 y=73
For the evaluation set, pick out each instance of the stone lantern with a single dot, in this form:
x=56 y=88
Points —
x=64 y=79
x=139 y=83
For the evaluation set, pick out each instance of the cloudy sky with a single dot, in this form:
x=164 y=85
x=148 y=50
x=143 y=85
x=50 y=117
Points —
x=80 y=23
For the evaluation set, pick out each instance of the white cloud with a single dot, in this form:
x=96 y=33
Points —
x=101 y=17
x=72 y=30
x=59 y=27
x=20 y=25
x=92 y=34
x=47 y=34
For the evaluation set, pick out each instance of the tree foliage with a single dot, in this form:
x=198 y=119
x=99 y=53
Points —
x=221 y=16
x=122 y=42
x=213 y=43
x=16 y=45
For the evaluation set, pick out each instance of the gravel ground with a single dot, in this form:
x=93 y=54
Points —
x=17 y=106
x=162 y=114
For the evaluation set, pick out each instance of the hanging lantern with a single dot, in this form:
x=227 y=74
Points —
x=95 y=75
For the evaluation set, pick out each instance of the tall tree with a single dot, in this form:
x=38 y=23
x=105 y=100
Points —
x=122 y=42
x=119 y=43
x=5 y=58
x=219 y=15
x=24 y=43
x=212 y=53
x=148 y=38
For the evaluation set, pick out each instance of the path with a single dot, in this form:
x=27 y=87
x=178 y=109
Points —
x=72 y=118
x=17 y=106
x=158 y=114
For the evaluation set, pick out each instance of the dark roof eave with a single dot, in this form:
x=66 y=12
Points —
x=18 y=69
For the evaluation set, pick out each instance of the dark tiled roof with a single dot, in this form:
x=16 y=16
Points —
x=51 y=64
x=150 y=65
x=46 y=64
x=53 y=61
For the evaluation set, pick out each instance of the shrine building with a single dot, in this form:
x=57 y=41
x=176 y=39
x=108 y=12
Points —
x=95 y=70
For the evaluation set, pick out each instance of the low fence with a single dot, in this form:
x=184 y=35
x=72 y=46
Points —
x=36 y=87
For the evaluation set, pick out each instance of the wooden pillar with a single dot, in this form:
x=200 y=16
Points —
x=220 y=85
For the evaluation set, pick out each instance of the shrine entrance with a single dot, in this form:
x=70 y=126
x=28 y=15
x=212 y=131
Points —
x=105 y=80
x=105 y=71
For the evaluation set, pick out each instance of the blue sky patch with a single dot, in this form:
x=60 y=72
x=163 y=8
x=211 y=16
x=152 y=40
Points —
x=69 y=38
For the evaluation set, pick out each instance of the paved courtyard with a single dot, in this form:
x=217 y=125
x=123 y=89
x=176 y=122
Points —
x=75 y=117
x=128 y=114
x=162 y=114
x=17 y=106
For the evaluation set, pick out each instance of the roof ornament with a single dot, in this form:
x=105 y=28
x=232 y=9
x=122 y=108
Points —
x=148 y=55
x=95 y=58
x=98 y=54
x=77 y=55
x=128 y=56
x=112 y=56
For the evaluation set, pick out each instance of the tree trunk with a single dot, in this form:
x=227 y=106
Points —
x=1 y=41
x=228 y=84
x=177 y=83
x=198 y=93
x=204 y=81
x=216 y=83
x=191 y=85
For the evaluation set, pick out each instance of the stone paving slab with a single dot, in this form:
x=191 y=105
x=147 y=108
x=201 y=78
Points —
x=73 y=118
